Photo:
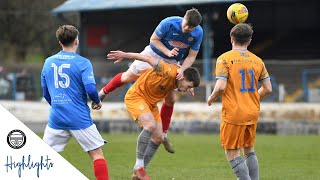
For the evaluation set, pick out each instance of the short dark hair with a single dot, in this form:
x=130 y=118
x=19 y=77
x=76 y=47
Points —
x=193 y=17
x=241 y=33
x=66 y=34
x=192 y=74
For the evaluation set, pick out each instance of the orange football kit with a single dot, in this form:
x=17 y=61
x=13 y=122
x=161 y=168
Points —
x=150 y=88
x=240 y=101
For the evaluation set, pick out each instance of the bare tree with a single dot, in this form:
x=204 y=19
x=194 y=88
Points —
x=27 y=24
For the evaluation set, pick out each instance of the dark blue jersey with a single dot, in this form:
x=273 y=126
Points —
x=170 y=32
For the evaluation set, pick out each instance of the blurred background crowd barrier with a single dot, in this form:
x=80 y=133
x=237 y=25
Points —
x=293 y=81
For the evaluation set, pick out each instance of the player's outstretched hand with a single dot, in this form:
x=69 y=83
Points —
x=173 y=52
x=116 y=56
x=93 y=104
x=96 y=106
x=210 y=100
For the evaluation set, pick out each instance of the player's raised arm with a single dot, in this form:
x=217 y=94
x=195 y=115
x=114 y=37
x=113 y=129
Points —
x=156 y=41
x=117 y=56
x=220 y=86
x=265 y=89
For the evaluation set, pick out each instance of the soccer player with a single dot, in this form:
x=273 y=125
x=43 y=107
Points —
x=175 y=39
x=238 y=72
x=66 y=79
x=142 y=98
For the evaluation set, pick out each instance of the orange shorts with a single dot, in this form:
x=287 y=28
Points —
x=136 y=105
x=237 y=136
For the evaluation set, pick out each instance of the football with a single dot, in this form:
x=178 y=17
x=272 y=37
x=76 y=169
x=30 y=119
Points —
x=237 y=13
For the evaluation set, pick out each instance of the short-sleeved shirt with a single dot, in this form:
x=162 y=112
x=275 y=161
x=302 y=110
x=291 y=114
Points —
x=156 y=83
x=241 y=101
x=65 y=74
x=170 y=32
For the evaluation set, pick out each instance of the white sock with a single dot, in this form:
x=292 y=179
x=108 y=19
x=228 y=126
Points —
x=165 y=135
x=139 y=164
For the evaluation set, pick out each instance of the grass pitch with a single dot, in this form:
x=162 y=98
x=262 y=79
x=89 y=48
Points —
x=200 y=157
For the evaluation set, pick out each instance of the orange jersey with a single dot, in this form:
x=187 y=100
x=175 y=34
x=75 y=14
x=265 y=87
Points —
x=241 y=100
x=155 y=83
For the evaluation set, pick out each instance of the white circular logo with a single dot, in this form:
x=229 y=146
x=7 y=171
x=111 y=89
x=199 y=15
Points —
x=16 y=139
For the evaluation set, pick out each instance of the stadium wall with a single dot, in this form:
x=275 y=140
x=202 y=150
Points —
x=275 y=118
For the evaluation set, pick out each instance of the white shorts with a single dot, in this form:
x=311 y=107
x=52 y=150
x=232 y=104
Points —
x=89 y=138
x=138 y=67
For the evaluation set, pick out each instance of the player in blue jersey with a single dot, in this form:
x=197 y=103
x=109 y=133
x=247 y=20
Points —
x=66 y=79
x=175 y=39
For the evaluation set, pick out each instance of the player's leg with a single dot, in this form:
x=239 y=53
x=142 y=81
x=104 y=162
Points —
x=238 y=166
x=91 y=141
x=116 y=82
x=140 y=111
x=251 y=162
x=100 y=165
x=166 y=114
x=249 y=154
x=133 y=73
x=149 y=125
x=156 y=138
x=231 y=137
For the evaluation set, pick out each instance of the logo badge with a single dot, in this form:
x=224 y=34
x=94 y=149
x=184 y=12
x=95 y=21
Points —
x=16 y=139
x=190 y=39
x=142 y=107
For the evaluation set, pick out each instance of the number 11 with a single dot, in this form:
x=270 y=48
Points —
x=243 y=81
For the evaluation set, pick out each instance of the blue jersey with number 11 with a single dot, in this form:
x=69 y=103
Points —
x=65 y=76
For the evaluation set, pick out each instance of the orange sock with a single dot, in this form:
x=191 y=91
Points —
x=166 y=113
x=101 y=169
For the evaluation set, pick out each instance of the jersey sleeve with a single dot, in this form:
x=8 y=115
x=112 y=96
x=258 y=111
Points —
x=163 y=28
x=43 y=79
x=87 y=73
x=264 y=74
x=164 y=69
x=197 y=43
x=221 y=68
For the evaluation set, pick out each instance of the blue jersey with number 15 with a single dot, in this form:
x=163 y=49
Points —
x=65 y=76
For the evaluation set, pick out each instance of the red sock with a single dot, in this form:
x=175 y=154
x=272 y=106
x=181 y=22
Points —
x=113 y=84
x=166 y=113
x=101 y=169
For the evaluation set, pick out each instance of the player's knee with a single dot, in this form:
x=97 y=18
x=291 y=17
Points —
x=232 y=154
x=158 y=139
x=247 y=150
x=170 y=103
x=170 y=100
x=151 y=126
x=128 y=77
x=96 y=154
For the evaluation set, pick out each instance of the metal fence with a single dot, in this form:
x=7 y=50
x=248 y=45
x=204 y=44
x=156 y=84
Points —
x=293 y=81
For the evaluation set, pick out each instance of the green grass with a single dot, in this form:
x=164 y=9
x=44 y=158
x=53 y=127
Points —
x=200 y=157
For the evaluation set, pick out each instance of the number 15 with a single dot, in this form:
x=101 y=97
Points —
x=57 y=71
